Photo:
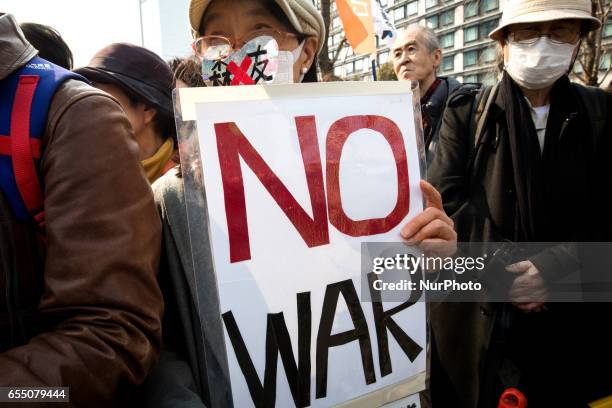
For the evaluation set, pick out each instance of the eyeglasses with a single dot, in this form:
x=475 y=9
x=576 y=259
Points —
x=217 y=47
x=557 y=35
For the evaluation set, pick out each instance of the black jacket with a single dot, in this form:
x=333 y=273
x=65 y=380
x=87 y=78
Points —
x=481 y=201
x=433 y=110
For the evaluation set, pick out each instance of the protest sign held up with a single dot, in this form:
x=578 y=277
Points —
x=296 y=178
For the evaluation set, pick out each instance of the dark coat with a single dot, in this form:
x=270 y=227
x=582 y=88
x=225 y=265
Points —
x=86 y=311
x=433 y=110
x=483 y=207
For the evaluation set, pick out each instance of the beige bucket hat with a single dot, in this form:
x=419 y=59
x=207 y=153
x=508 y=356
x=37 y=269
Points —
x=531 y=11
x=302 y=15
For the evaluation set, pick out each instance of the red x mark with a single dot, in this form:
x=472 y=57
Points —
x=240 y=72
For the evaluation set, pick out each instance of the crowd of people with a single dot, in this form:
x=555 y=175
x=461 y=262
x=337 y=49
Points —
x=96 y=273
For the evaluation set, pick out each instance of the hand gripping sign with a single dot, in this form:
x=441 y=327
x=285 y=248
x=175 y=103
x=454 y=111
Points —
x=296 y=177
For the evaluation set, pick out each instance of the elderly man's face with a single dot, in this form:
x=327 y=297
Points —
x=411 y=58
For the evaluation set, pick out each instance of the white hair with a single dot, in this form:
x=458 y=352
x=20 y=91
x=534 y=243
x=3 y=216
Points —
x=428 y=36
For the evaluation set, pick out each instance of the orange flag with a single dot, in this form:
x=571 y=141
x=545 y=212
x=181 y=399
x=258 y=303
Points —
x=358 y=22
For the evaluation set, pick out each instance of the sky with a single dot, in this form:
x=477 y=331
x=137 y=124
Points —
x=85 y=25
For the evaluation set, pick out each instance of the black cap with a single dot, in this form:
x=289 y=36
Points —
x=140 y=71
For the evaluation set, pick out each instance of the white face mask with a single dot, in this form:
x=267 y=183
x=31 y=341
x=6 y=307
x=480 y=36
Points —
x=268 y=65
x=538 y=65
x=286 y=60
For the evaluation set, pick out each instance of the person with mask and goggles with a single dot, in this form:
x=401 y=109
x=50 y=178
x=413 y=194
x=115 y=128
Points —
x=272 y=42
x=523 y=161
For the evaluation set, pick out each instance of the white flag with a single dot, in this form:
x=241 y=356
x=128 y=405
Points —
x=383 y=26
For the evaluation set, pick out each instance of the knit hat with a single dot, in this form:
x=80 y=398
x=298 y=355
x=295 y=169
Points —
x=533 y=11
x=302 y=15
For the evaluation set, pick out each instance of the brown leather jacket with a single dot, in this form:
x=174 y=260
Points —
x=96 y=327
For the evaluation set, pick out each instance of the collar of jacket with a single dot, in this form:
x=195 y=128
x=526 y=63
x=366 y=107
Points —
x=497 y=107
x=565 y=101
x=438 y=98
x=15 y=50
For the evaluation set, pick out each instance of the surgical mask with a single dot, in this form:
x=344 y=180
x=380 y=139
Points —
x=286 y=61
x=538 y=65
x=259 y=61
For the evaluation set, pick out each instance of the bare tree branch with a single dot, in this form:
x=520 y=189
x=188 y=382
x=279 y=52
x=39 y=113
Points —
x=605 y=15
x=591 y=53
x=581 y=65
x=339 y=50
x=605 y=75
x=603 y=78
x=581 y=77
x=325 y=65
x=607 y=12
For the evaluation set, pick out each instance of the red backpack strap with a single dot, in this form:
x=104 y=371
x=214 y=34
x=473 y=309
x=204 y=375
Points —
x=26 y=176
x=5 y=146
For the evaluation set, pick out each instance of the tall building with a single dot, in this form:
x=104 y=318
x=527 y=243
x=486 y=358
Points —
x=462 y=27
x=165 y=27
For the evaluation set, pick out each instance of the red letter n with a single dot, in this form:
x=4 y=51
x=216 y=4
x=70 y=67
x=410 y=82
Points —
x=231 y=145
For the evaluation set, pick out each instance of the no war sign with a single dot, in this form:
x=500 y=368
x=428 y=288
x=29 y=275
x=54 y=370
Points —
x=296 y=178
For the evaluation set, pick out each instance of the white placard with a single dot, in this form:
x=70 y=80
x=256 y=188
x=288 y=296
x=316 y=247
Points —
x=266 y=163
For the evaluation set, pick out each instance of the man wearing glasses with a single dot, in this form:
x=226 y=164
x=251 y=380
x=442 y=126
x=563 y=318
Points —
x=531 y=166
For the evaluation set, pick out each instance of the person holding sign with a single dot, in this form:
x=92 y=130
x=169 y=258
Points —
x=239 y=42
